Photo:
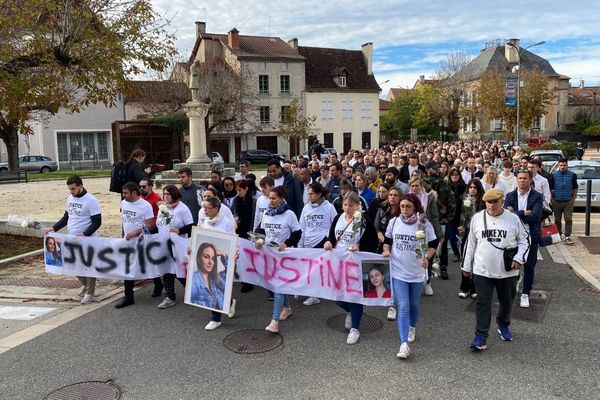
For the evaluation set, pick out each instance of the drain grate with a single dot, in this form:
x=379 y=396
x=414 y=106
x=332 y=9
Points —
x=92 y=390
x=252 y=341
x=367 y=323
x=40 y=282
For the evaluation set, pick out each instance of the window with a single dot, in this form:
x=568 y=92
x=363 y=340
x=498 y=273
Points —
x=263 y=84
x=347 y=142
x=328 y=139
x=83 y=146
x=342 y=81
x=366 y=108
x=366 y=140
x=327 y=110
x=265 y=115
x=284 y=113
x=284 y=84
x=496 y=124
x=346 y=109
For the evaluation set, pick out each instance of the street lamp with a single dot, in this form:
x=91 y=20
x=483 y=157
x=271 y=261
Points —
x=519 y=52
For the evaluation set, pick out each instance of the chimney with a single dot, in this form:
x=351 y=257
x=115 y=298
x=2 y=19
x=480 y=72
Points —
x=233 y=38
x=421 y=78
x=367 y=50
x=200 y=28
x=511 y=52
x=293 y=43
x=581 y=84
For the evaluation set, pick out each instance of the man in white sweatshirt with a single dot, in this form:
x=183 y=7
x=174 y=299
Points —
x=493 y=230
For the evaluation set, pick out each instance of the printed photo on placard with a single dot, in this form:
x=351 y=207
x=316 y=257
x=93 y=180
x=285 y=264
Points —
x=376 y=279
x=211 y=270
x=52 y=252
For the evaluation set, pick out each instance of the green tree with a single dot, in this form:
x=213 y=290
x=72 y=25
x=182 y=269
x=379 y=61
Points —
x=428 y=116
x=295 y=125
x=399 y=120
x=70 y=54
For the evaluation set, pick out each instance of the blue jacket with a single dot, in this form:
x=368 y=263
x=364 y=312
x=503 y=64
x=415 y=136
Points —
x=562 y=185
x=293 y=196
x=534 y=203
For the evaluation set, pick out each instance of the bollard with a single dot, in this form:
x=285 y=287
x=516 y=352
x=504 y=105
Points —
x=588 y=206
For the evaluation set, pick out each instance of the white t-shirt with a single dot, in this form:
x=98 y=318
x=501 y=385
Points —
x=510 y=182
x=315 y=223
x=279 y=228
x=134 y=215
x=226 y=211
x=222 y=225
x=261 y=205
x=405 y=265
x=180 y=217
x=279 y=181
x=498 y=185
x=345 y=234
x=80 y=210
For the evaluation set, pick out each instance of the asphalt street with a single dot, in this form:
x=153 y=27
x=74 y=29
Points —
x=166 y=354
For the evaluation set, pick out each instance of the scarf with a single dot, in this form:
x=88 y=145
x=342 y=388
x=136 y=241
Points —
x=214 y=221
x=410 y=220
x=318 y=203
x=281 y=208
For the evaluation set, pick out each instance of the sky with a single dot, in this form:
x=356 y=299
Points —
x=410 y=37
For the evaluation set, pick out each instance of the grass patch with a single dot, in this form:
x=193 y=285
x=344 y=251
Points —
x=13 y=245
x=67 y=174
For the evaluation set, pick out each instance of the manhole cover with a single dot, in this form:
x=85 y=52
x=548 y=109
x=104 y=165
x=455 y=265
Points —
x=252 y=341
x=538 y=303
x=367 y=323
x=92 y=390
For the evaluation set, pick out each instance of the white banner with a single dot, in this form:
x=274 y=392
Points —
x=341 y=275
x=145 y=257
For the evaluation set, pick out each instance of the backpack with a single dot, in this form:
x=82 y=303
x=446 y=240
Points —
x=118 y=176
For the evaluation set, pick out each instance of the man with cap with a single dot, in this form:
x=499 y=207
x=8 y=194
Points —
x=492 y=231
x=446 y=204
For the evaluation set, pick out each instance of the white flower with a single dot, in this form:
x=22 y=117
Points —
x=357 y=215
x=420 y=235
x=260 y=242
x=467 y=203
x=163 y=208
x=24 y=224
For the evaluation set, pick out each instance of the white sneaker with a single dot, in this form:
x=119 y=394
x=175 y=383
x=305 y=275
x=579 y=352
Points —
x=212 y=325
x=311 y=301
x=353 y=336
x=428 y=290
x=166 y=303
x=412 y=334
x=524 y=301
x=232 y=309
x=404 y=351
x=348 y=321
x=392 y=314
x=87 y=299
x=568 y=240
x=474 y=295
x=462 y=295
x=81 y=292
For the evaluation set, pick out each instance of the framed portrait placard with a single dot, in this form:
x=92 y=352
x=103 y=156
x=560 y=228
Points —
x=210 y=271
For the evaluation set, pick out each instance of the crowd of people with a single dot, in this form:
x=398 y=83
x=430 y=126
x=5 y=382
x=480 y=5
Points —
x=413 y=202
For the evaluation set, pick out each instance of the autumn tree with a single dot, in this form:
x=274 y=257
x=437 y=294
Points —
x=295 y=125
x=451 y=87
x=69 y=54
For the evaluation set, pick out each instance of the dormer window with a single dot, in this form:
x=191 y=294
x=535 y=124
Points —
x=339 y=76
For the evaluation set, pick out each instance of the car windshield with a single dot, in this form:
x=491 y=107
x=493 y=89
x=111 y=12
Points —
x=550 y=157
x=586 y=172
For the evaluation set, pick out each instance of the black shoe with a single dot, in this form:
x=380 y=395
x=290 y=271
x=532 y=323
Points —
x=271 y=296
x=157 y=291
x=246 y=287
x=126 y=301
x=444 y=273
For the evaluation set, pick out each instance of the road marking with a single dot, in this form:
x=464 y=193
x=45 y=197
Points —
x=23 y=313
x=539 y=255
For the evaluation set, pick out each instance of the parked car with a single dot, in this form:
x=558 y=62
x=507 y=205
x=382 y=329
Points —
x=549 y=157
x=585 y=170
x=258 y=156
x=217 y=157
x=327 y=151
x=37 y=163
x=537 y=141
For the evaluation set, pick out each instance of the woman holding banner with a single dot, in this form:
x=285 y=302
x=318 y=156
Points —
x=281 y=228
x=315 y=220
x=173 y=216
x=53 y=253
x=215 y=220
x=411 y=242
x=352 y=230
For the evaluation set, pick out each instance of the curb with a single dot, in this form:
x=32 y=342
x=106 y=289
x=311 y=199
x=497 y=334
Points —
x=11 y=260
x=577 y=268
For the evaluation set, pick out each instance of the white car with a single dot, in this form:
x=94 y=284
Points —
x=586 y=170
x=217 y=157
x=549 y=157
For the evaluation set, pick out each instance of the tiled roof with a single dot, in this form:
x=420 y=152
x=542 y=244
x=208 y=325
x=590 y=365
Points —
x=384 y=105
x=493 y=58
x=159 y=92
x=322 y=63
x=584 y=96
x=255 y=47
x=397 y=92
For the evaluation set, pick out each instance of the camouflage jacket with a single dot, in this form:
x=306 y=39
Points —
x=446 y=201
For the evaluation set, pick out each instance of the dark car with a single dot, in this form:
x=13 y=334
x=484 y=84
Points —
x=258 y=156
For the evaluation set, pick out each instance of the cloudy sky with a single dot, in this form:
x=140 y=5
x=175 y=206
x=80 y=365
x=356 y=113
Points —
x=410 y=37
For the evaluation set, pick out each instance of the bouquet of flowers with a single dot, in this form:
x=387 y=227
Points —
x=421 y=250
x=356 y=221
x=23 y=222
x=164 y=212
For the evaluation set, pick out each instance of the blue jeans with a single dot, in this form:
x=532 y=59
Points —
x=279 y=301
x=355 y=310
x=407 y=296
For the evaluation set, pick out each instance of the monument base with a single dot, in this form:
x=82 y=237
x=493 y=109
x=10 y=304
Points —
x=200 y=172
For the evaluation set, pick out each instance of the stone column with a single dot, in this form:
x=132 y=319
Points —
x=197 y=111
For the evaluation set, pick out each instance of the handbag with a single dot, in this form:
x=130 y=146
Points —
x=508 y=253
x=550 y=234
